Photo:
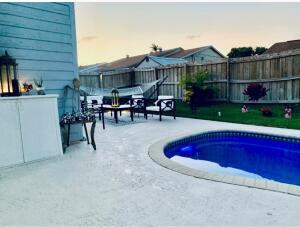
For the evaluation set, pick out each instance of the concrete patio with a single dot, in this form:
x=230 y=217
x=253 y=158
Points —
x=120 y=185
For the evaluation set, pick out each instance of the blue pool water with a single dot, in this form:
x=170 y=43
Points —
x=241 y=154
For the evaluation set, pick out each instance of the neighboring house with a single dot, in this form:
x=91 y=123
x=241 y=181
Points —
x=129 y=63
x=42 y=39
x=196 y=55
x=199 y=55
x=94 y=69
x=154 y=62
x=283 y=46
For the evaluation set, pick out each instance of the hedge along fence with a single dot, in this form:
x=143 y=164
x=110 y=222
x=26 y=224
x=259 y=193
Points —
x=280 y=73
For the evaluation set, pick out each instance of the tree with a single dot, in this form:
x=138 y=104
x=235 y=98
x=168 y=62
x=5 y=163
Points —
x=240 y=52
x=155 y=47
x=245 y=52
x=260 y=50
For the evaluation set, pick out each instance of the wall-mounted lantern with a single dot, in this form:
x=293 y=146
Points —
x=9 y=84
x=115 y=98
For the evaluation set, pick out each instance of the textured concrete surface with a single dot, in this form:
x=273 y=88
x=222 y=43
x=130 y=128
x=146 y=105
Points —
x=120 y=185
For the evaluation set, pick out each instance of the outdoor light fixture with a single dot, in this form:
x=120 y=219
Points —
x=115 y=98
x=9 y=84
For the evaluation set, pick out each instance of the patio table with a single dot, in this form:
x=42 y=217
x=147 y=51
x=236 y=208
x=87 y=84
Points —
x=115 y=110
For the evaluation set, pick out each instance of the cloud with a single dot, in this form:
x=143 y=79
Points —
x=191 y=37
x=88 y=38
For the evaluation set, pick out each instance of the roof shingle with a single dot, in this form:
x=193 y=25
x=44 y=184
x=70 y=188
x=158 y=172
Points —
x=283 y=46
x=130 y=62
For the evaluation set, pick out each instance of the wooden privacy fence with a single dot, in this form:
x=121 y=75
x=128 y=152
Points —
x=90 y=81
x=124 y=78
x=280 y=73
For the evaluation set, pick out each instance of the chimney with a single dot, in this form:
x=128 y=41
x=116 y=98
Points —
x=127 y=55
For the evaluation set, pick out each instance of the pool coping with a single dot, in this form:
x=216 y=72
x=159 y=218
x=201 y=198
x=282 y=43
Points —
x=156 y=153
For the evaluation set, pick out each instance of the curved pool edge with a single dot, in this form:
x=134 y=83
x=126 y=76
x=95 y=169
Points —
x=156 y=153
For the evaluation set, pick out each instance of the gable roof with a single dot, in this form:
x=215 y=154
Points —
x=168 y=61
x=164 y=61
x=94 y=69
x=133 y=61
x=188 y=52
x=283 y=46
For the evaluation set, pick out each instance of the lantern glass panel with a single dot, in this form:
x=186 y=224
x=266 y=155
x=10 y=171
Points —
x=6 y=79
x=11 y=76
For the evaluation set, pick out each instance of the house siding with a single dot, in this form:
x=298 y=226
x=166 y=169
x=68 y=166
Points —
x=149 y=64
x=42 y=38
x=204 y=56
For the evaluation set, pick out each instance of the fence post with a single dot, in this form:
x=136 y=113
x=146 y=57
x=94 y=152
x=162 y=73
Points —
x=156 y=78
x=101 y=80
x=228 y=79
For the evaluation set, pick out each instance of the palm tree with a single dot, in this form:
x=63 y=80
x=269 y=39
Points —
x=155 y=47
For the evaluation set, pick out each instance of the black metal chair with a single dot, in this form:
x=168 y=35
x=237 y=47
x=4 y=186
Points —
x=93 y=105
x=164 y=105
x=138 y=104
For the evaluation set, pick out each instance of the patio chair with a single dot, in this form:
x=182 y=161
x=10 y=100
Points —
x=163 y=105
x=138 y=104
x=93 y=104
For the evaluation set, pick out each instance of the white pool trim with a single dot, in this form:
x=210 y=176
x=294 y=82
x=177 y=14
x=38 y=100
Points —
x=156 y=153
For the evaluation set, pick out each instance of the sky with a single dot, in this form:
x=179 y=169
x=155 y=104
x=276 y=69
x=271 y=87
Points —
x=109 y=31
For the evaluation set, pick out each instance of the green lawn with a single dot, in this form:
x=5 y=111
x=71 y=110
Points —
x=232 y=113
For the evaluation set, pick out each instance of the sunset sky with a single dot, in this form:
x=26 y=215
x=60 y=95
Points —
x=109 y=31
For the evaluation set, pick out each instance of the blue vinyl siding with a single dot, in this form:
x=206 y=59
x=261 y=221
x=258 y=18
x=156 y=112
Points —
x=204 y=56
x=42 y=37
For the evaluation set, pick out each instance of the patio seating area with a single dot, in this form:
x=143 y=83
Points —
x=119 y=184
x=136 y=104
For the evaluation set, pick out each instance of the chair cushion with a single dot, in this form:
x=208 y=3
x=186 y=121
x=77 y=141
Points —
x=98 y=99
x=156 y=108
x=161 y=97
x=124 y=106
x=152 y=108
x=137 y=96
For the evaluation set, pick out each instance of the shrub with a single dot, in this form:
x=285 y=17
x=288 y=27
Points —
x=255 y=91
x=266 y=111
x=196 y=91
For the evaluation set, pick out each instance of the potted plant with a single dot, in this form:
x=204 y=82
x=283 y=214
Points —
x=27 y=87
x=39 y=86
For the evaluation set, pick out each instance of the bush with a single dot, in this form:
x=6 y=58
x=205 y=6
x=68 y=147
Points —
x=266 y=111
x=255 y=92
x=197 y=93
x=241 y=52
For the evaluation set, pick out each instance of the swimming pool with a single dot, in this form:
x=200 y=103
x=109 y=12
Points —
x=244 y=158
